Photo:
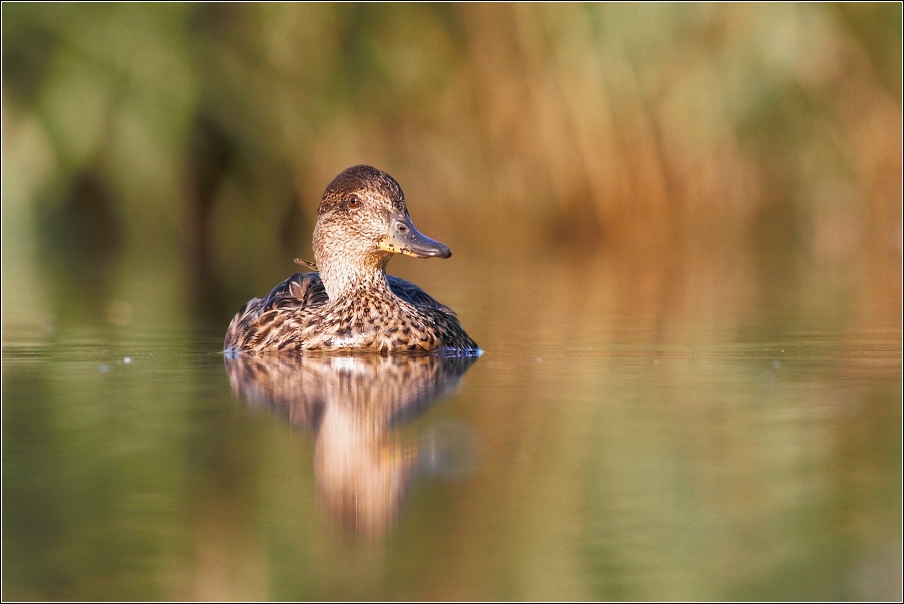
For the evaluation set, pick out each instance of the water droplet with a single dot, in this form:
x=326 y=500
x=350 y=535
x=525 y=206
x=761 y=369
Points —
x=127 y=360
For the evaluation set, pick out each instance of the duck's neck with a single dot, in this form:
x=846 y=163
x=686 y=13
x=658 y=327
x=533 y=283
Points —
x=347 y=279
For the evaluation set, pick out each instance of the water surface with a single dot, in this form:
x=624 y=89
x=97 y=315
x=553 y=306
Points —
x=607 y=445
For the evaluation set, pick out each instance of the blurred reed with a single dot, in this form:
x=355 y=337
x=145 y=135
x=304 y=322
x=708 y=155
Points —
x=644 y=131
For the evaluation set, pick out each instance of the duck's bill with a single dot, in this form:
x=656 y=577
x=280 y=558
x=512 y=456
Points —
x=403 y=238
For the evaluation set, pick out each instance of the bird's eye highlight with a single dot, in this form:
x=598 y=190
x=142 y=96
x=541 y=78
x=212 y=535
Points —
x=353 y=201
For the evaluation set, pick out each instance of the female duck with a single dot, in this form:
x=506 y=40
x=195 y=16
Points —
x=352 y=304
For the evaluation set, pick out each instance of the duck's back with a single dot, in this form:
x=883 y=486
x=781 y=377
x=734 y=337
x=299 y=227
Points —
x=296 y=308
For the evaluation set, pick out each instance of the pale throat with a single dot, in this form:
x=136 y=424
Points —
x=350 y=276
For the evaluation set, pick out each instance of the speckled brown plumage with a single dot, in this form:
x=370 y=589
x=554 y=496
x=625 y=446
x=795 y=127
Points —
x=351 y=304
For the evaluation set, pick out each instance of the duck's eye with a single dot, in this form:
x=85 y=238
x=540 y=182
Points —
x=353 y=201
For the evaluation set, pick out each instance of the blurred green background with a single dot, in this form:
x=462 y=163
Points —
x=709 y=187
x=194 y=140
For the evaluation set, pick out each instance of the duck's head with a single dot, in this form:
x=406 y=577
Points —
x=362 y=221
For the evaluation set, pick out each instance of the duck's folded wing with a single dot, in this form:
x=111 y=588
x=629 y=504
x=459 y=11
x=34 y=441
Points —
x=411 y=293
x=301 y=290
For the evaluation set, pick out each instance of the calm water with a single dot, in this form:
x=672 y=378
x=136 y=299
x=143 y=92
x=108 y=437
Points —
x=617 y=440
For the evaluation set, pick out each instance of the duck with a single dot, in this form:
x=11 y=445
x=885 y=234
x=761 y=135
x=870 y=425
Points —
x=349 y=303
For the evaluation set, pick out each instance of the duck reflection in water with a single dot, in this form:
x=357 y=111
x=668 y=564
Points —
x=355 y=405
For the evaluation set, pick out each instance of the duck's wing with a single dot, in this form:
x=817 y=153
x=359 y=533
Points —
x=300 y=291
x=411 y=293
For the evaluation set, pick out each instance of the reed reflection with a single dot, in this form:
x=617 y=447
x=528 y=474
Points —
x=355 y=405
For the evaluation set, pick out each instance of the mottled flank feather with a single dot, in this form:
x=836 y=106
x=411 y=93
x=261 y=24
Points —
x=297 y=316
x=368 y=311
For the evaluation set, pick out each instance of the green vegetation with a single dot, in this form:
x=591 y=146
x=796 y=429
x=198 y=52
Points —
x=645 y=130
